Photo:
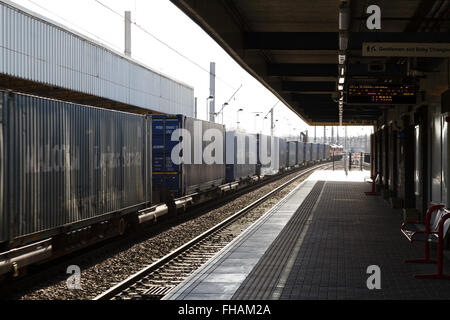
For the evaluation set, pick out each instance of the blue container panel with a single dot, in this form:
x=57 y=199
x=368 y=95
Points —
x=171 y=183
x=229 y=172
x=166 y=174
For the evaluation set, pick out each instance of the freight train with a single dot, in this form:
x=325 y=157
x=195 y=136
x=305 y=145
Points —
x=72 y=175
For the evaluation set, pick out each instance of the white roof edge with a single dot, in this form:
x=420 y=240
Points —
x=83 y=37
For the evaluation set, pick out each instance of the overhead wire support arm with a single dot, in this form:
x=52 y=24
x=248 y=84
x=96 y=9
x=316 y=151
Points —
x=226 y=103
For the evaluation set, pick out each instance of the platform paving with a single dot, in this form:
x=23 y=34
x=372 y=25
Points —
x=220 y=277
x=347 y=232
x=317 y=244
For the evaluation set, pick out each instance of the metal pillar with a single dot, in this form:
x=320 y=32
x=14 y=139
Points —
x=361 y=159
x=332 y=135
x=333 y=160
x=337 y=137
x=345 y=138
x=271 y=122
x=195 y=108
x=212 y=91
x=127 y=50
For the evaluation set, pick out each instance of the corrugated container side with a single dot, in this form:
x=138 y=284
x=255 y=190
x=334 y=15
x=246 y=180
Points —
x=301 y=152
x=274 y=165
x=308 y=151
x=67 y=163
x=4 y=216
x=292 y=152
x=275 y=155
x=240 y=150
x=314 y=151
x=37 y=49
x=283 y=153
x=200 y=177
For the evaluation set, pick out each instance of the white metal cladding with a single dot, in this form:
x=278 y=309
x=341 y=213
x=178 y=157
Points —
x=37 y=49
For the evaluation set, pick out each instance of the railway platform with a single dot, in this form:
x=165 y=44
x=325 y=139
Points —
x=317 y=243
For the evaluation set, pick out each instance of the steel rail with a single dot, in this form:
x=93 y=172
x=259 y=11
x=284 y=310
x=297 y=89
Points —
x=121 y=286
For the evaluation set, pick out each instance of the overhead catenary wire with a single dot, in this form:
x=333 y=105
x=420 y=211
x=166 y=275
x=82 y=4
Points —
x=139 y=27
x=272 y=108
x=164 y=43
x=118 y=14
x=74 y=24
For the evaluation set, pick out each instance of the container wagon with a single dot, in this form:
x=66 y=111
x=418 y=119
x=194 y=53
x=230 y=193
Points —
x=292 y=153
x=308 y=152
x=326 y=151
x=322 y=152
x=64 y=168
x=314 y=152
x=240 y=156
x=301 y=153
x=269 y=165
x=172 y=180
x=282 y=153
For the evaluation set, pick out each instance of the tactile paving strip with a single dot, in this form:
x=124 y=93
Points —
x=262 y=282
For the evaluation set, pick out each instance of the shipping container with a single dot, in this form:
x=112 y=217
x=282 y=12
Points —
x=322 y=151
x=240 y=155
x=301 y=153
x=68 y=165
x=309 y=154
x=185 y=171
x=268 y=162
x=292 y=153
x=283 y=153
x=315 y=152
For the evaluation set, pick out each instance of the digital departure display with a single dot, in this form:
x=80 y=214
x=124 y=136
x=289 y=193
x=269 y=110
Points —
x=381 y=94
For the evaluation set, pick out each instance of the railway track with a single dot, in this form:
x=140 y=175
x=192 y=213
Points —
x=158 y=279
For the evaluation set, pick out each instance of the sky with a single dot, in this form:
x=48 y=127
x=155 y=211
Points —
x=191 y=50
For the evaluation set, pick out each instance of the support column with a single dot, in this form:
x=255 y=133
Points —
x=127 y=51
x=212 y=91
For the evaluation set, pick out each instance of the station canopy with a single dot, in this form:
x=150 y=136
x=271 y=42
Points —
x=299 y=49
